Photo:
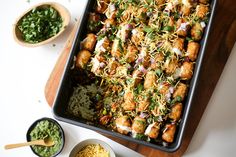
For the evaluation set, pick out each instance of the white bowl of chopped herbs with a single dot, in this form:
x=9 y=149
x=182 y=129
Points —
x=41 y=24
x=46 y=128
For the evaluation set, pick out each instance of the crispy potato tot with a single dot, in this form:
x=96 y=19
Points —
x=192 y=50
x=176 y=111
x=170 y=65
x=131 y=54
x=185 y=10
x=123 y=125
x=137 y=36
x=181 y=91
x=137 y=77
x=204 y=1
x=179 y=44
x=111 y=11
x=109 y=22
x=143 y=103
x=157 y=61
x=129 y=103
x=102 y=45
x=182 y=27
x=164 y=88
x=116 y=49
x=169 y=133
x=186 y=71
x=152 y=130
x=102 y=6
x=139 y=125
x=159 y=2
x=89 y=42
x=82 y=58
x=202 y=10
x=196 y=32
x=150 y=80
x=112 y=65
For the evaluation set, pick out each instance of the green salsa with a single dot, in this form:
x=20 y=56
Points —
x=46 y=129
x=40 y=24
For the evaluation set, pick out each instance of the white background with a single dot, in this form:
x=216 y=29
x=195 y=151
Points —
x=24 y=72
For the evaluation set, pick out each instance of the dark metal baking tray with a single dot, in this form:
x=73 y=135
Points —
x=66 y=87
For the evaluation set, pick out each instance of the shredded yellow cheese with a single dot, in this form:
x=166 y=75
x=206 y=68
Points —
x=93 y=150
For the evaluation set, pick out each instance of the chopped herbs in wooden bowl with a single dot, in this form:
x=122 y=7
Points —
x=41 y=24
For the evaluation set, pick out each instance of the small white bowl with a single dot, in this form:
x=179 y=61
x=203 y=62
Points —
x=84 y=143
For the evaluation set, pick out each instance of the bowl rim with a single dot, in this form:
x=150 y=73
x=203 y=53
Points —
x=53 y=121
x=86 y=142
x=66 y=18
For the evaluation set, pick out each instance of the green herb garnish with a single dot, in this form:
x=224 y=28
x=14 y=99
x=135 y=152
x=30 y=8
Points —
x=168 y=28
x=40 y=24
x=46 y=129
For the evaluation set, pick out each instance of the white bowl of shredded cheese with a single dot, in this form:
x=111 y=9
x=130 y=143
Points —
x=92 y=148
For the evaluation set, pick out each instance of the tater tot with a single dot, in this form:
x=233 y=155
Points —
x=89 y=42
x=129 y=103
x=112 y=65
x=102 y=6
x=156 y=62
x=185 y=10
x=137 y=36
x=102 y=45
x=111 y=11
x=150 y=80
x=152 y=130
x=182 y=27
x=137 y=77
x=171 y=21
x=131 y=54
x=143 y=103
x=116 y=50
x=159 y=2
x=196 y=32
x=170 y=65
x=202 y=10
x=176 y=111
x=186 y=70
x=126 y=14
x=139 y=125
x=169 y=133
x=164 y=88
x=82 y=58
x=181 y=91
x=109 y=22
x=178 y=44
x=123 y=124
x=192 y=50
x=203 y=1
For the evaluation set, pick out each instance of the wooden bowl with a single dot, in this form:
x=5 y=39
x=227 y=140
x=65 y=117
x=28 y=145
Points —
x=63 y=12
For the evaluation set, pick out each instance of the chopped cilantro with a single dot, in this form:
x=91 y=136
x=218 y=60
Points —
x=40 y=24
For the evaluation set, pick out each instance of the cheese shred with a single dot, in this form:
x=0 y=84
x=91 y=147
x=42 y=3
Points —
x=93 y=150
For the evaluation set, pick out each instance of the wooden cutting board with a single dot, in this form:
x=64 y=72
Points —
x=220 y=44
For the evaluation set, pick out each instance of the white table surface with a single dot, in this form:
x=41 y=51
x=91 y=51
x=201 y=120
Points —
x=24 y=72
